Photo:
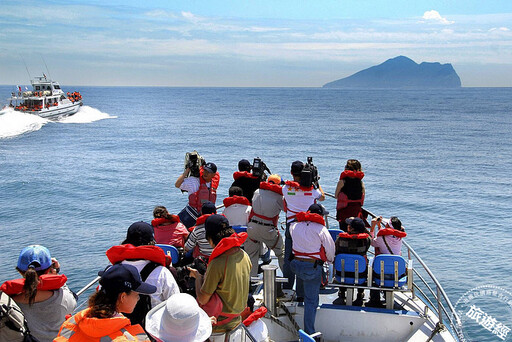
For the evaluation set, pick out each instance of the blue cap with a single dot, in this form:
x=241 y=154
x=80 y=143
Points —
x=210 y=167
x=34 y=255
x=317 y=208
x=123 y=278
x=297 y=167
x=208 y=208
x=356 y=223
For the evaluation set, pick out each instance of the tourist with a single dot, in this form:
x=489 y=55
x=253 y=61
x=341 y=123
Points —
x=200 y=190
x=312 y=246
x=138 y=250
x=179 y=319
x=103 y=320
x=355 y=240
x=244 y=179
x=197 y=239
x=387 y=241
x=349 y=192
x=168 y=228
x=42 y=293
x=297 y=198
x=227 y=275
x=236 y=207
x=267 y=204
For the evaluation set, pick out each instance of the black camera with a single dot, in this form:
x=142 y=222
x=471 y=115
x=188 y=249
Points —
x=259 y=168
x=193 y=161
x=309 y=175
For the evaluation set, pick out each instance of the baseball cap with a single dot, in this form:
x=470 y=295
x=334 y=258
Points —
x=34 y=255
x=276 y=179
x=216 y=222
x=316 y=208
x=356 y=223
x=140 y=233
x=210 y=167
x=208 y=208
x=297 y=167
x=122 y=278
x=244 y=165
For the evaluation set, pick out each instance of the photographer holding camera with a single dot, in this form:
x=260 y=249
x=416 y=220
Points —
x=248 y=177
x=299 y=195
x=201 y=187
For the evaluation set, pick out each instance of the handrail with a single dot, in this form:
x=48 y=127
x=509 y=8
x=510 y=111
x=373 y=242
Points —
x=86 y=287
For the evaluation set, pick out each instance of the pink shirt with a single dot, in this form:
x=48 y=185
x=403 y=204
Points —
x=395 y=243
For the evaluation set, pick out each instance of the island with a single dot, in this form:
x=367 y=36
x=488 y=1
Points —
x=401 y=72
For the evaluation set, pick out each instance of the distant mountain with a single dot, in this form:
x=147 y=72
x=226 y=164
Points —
x=401 y=72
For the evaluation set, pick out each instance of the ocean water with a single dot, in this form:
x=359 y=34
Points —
x=440 y=160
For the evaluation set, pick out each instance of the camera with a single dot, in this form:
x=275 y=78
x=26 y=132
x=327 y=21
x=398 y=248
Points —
x=259 y=168
x=309 y=175
x=194 y=161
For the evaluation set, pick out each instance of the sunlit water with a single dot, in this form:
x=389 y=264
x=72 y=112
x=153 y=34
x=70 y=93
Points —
x=440 y=160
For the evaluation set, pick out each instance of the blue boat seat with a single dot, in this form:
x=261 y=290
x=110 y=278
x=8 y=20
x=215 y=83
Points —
x=172 y=251
x=239 y=229
x=334 y=233
x=389 y=271
x=352 y=269
x=304 y=337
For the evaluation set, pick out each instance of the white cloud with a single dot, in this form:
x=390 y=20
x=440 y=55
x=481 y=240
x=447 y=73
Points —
x=502 y=29
x=434 y=16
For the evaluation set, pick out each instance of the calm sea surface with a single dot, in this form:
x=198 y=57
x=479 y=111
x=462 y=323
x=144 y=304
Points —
x=439 y=160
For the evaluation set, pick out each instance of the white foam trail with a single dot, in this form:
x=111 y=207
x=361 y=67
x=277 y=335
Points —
x=86 y=114
x=13 y=123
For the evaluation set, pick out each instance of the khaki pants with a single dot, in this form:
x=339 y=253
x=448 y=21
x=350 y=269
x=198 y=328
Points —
x=268 y=235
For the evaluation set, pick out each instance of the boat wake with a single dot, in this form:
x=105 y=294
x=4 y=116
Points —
x=86 y=114
x=14 y=123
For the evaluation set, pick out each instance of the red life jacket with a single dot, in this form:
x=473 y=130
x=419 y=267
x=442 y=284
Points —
x=165 y=221
x=47 y=282
x=312 y=217
x=257 y=314
x=391 y=231
x=235 y=240
x=120 y=253
x=358 y=236
x=196 y=199
x=292 y=184
x=235 y=200
x=343 y=200
x=243 y=174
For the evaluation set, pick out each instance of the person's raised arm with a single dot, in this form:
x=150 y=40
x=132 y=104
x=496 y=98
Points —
x=338 y=187
x=181 y=178
x=322 y=197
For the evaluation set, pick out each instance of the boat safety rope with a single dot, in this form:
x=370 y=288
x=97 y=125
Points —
x=295 y=328
x=438 y=328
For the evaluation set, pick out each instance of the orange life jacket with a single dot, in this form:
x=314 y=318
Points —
x=243 y=174
x=47 y=282
x=81 y=328
x=235 y=200
x=317 y=218
x=391 y=231
x=120 y=253
x=343 y=201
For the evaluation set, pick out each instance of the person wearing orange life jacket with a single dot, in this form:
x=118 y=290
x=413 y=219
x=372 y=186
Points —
x=168 y=228
x=200 y=189
x=387 y=241
x=297 y=198
x=227 y=275
x=355 y=240
x=349 y=192
x=103 y=320
x=138 y=250
x=267 y=204
x=312 y=246
x=42 y=293
x=197 y=239
x=244 y=179
x=236 y=207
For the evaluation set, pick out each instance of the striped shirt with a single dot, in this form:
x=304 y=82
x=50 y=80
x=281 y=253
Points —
x=198 y=238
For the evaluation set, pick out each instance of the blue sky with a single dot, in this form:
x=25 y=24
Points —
x=249 y=43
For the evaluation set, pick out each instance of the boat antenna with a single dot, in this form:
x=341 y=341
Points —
x=48 y=71
x=26 y=68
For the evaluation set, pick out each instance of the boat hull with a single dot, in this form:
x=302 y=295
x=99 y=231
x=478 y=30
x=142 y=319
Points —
x=56 y=112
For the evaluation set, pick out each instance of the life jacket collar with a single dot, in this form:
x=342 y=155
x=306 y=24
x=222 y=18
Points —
x=392 y=231
x=296 y=185
x=352 y=174
x=311 y=217
x=243 y=174
x=47 y=282
x=358 y=236
x=272 y=187
x=165 y=221
x=228 y=201
x=235 y=240
x=120 y=253
x=201 y=219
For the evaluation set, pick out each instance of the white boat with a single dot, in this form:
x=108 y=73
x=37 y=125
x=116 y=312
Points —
x=46 y=99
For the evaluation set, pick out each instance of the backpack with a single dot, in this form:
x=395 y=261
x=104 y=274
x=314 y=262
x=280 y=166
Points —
x=138 y=316
x=13 y=326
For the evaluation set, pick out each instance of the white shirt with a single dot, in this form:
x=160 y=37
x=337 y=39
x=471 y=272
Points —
x=309 y=237
x=191 y=184
x=161 y=277
x=237 y=214
x=298 y=200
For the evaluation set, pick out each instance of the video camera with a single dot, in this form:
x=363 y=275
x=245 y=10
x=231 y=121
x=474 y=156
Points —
x=259 y=168
x=309 y=175
x=194 y=161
